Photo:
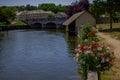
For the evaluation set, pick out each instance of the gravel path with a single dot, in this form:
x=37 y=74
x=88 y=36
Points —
x=113 y=42
x=116 y=48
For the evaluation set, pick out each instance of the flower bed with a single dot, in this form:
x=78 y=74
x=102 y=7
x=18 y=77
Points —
x=91 y=55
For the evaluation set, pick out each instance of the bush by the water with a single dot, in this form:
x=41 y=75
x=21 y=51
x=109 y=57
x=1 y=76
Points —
x=91 y=55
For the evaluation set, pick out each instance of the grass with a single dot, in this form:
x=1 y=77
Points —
x=107 y=26
x=116 y=30
x=18 y=23
x=2 y=23
x=115 y=35
x=114 y=72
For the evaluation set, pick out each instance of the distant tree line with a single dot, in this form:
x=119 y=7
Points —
x=7 y=13
x=52 y=7
x=44 y=6
x=110 y=8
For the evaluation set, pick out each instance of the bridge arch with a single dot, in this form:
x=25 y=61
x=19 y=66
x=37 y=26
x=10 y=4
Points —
x=51 y=25
x=37 y=25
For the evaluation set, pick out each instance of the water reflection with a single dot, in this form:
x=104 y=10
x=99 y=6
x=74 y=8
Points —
x=37 y=55
x=72 y=43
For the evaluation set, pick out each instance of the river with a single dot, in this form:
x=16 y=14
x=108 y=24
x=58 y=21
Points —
x=37 y=55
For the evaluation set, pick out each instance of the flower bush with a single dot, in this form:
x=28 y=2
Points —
x=94 y=55
x=91 y=55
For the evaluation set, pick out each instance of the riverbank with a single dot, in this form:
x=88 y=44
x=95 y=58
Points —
x=14 y=27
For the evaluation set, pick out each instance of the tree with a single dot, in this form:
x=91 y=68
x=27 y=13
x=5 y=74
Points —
x=6 y=14
x=30 y=7
x=112 y=7
x=97 y=8
x=77 y=7
x=3 y=17
x=100 y=7
x=52 y=7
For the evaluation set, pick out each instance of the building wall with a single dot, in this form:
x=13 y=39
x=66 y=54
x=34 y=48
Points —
x=86 y=17
x=83 y=19
x=26 y=15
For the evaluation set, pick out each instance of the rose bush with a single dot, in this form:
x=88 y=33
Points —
x=94 y=55
x=91 y=55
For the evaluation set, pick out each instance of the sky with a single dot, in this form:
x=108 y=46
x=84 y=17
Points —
x=35 y=2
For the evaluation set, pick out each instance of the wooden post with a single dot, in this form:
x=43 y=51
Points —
x=67 y=29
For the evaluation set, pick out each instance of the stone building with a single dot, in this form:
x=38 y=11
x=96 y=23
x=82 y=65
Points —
x=26 y=15
x=75 y=22
x=36 y=14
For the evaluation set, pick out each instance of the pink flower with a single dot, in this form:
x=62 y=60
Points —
x=108 y=59
x=102 y=54
x=95 y=49
x=105 y=53
x=87 y=51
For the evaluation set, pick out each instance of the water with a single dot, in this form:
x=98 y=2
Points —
x=37 y=55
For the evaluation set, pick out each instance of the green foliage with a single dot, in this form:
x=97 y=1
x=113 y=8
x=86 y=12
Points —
x=100 y=7
x=85 y=30
x=30 y=7
x=51 y=16
x=52 y=7
x=2 y=23
x=97 y=8
x=18 y=23
x=116 y=15
x=6 y=15
x=91 y=55
x=44 y=6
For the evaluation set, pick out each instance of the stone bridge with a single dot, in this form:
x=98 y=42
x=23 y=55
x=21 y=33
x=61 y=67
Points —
x=49 y=23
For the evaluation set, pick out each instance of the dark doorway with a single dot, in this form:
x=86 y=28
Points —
x=71 y=28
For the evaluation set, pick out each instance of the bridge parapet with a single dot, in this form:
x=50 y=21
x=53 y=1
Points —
x=48 y=19
x=45 y=21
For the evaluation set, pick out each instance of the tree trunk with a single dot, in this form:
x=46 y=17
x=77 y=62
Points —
x=111 y=21
x=110 y=6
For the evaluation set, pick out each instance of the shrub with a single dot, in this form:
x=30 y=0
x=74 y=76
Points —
x=91 y=55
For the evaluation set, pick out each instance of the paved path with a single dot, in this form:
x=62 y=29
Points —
x=113 y=42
